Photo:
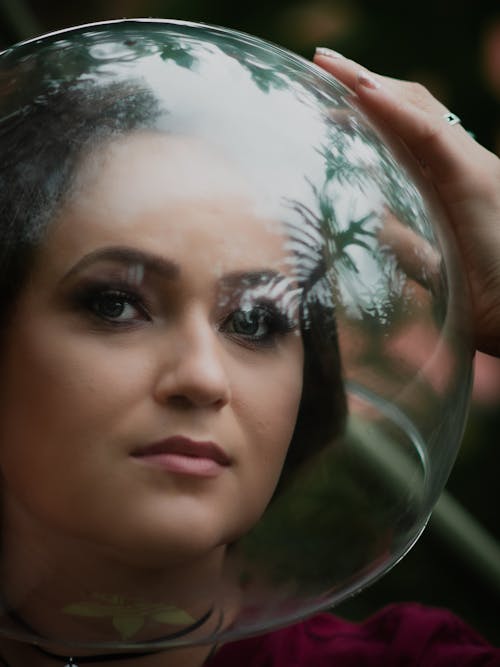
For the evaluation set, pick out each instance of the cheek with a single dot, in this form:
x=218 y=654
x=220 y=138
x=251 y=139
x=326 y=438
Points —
x=287 y=391
x=57 y=398
x=67 y=403
x=283 y=391
x=279 y=413
x=271 y=407
x=266 y=404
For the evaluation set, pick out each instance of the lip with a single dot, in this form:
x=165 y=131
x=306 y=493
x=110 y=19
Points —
x=184 y=456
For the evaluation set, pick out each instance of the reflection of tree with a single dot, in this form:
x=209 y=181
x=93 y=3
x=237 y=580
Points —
x=179 y=53
x=336 y=240
x=342 y=238
x=363 y=182
x=266 y=74
x=354 y=153
x=127 y=50
x=323 y=257
x=337 y=151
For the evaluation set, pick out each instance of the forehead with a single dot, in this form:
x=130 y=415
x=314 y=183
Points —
x=168 y=195
x=158 y=165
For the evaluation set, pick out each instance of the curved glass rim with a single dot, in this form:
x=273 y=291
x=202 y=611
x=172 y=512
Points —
x=191 y=25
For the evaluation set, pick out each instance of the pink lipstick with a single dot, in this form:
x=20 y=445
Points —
x=184 y=456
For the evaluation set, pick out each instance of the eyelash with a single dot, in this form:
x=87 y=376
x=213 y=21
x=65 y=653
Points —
x=277 y=323
x=93 y=297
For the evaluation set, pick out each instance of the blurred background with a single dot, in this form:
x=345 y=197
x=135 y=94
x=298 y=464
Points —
x=453 y=47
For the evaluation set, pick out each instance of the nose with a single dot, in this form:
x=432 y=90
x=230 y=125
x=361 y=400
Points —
x=193 y=373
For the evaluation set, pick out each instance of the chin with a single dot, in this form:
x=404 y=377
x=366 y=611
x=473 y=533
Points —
x=161 y=547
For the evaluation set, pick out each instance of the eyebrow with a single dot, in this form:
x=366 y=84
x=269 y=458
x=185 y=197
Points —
x=252 y=278
x=170 y=270
x=165 y=268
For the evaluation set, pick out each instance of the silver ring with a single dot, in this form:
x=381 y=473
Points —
x=451 y=118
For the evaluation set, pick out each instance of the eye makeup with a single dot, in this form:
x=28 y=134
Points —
x=121 y=288
x=113 y=304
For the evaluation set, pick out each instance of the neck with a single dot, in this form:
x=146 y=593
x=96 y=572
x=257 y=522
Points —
x=62 y=587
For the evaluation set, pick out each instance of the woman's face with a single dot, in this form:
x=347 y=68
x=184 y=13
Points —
x=152 y=370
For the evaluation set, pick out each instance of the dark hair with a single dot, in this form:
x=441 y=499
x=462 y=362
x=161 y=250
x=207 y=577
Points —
x=41 y=145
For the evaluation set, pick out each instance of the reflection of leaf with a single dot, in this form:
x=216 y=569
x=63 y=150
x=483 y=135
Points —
x=266 y=76
x=354 y=234
x=333 y=240
x=128 y=616
x=128 y=624
x=172 y=616
x=180 y=55
x=88 y=609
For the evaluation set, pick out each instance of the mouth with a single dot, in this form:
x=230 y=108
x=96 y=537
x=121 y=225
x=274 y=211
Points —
x=183 y=456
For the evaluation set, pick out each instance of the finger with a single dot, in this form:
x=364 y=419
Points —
x=346 y=71
x=343 y=69
x=424 y=128
x=334 y=63
x=465 y=175
x=414 y=115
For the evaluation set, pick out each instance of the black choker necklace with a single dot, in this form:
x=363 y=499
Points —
x=70 y=661
x=105 y=657
x=89 y=659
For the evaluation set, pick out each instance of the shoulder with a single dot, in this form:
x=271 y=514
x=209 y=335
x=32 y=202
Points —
x=405 y=634
x=434 y=637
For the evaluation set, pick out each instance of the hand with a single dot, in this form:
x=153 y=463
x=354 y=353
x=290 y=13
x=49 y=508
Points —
x=464 y=174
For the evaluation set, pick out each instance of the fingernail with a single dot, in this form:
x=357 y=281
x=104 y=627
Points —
x=367 y=80
x=328 y=53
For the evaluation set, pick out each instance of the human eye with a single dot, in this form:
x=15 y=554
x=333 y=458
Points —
x=115 y=306
x=258 y=324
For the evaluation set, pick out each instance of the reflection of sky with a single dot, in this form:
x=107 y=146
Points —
x=275 y=138
x=271 y=137
x=275 y=134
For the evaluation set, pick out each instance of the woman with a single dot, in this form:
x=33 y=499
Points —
x=160 y=420
x=195 y=410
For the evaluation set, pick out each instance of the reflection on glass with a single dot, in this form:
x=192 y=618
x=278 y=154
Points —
x=234 y=361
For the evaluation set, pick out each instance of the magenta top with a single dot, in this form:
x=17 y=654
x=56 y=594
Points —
x=404 y=635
